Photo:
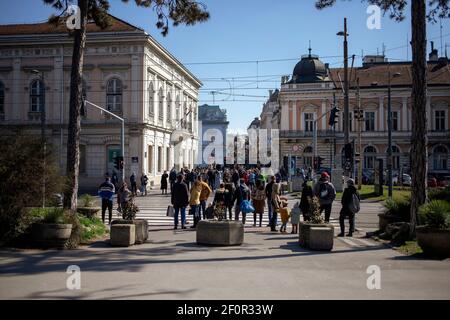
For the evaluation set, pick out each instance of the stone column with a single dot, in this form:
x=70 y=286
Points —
x=381 y=115
x=134 y=104
x=324 y=119
x=16 y=96
x=284 y=115
x=405 y=114
x=294 y=115
x=429 y=115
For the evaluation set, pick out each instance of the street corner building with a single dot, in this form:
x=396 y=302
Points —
x=125 y=71
x=314 y=89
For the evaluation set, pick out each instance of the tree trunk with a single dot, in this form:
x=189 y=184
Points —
x=73 y=139
x=419 y=138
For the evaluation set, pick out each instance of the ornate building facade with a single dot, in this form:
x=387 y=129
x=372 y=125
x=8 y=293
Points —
x=126 y=71
x=314 y=89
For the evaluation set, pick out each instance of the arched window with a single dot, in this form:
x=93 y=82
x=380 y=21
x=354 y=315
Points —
x=151 y=102
x=160 y=104
x=308 y=156
x=2 y=97
x=440 y=158
x=114 y=95
x=395 y=157
x=169 y=108
x=369 y=157
x=37 y=96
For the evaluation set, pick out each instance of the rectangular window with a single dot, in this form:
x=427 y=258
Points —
x=160 y=159
x=309 y=121
x=439 y=117
x=370 y=121
x=150 y=159
x=394 y=120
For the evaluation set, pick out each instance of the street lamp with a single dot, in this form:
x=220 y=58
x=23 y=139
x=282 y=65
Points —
x=41 y=76
x=389 y=155
x=346 y=84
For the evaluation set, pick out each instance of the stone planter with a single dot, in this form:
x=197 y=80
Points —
x=141 y=228
x=51 y=234
x=384 y=220
x=435 y=242
x=89 y=211
x=220 y=233
x=123 y=235
x=316 y=236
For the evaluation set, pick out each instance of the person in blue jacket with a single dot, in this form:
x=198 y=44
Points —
x=106 y=192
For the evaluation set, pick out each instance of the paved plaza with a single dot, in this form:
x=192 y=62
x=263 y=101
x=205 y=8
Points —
x=267 y=266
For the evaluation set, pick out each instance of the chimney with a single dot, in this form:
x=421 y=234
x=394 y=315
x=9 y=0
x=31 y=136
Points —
x=433 y=56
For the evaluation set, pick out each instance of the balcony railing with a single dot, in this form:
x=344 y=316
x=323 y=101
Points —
x=304 y=134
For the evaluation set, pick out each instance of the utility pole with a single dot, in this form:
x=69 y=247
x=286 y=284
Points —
x=359 y=118
x=389 y=155
x=346 y=86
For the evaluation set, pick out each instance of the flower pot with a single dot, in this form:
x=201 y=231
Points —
x=141 y=228
x=316 y=236
x=384 y=220
x=89 y=211
x=434 y=242
x=220 y=233
x=51 y=234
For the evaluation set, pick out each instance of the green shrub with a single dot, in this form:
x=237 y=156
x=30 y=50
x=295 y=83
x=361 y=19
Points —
x=400 y=208
x=130 y=210
x=21 y=175
x=439 y=194
x=48 y=215
x=91 y=228
x=435 y=214
x=87 y=201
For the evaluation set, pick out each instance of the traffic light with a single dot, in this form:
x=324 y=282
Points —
x=348 y=155
x=118 y=163
x=333 y=116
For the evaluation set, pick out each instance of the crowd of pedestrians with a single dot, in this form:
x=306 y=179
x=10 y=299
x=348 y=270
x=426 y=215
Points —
x=235 y=190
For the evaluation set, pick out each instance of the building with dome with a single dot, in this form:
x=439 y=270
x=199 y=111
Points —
x=314 y=88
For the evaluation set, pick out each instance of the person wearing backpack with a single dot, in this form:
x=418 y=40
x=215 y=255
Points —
x=240 y=194
x=326 y=193
x=350 y=206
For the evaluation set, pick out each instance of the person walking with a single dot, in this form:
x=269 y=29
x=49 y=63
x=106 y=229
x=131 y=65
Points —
x=106 y=192
x=276 y=204
x=268 y=190
x=240 y=194
x=172 y=178
x=326 y=193
x=204 y=195
x=307 y=194
x=164 y=178
x=179 y=200
x=194 y=201
x=258 y=200
x=144 y=181
x=229 y=198
x=346 y=201
x=133 y=183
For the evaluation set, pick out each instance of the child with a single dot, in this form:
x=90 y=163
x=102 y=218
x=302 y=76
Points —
x=284 y=215
x=295 y=217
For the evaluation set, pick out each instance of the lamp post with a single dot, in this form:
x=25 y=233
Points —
x=346 y=85
x=389 y=155
x=43 y=122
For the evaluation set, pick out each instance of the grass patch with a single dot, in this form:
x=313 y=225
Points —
x=91 y=228
x=410 y=248
x=367 y=193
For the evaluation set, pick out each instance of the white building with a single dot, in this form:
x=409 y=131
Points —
x=125 y=71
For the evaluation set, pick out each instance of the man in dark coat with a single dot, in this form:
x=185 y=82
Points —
x=180 y=200
x=346 y=201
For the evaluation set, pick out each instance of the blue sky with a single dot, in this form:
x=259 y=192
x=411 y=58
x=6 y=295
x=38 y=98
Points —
x=255 y=30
